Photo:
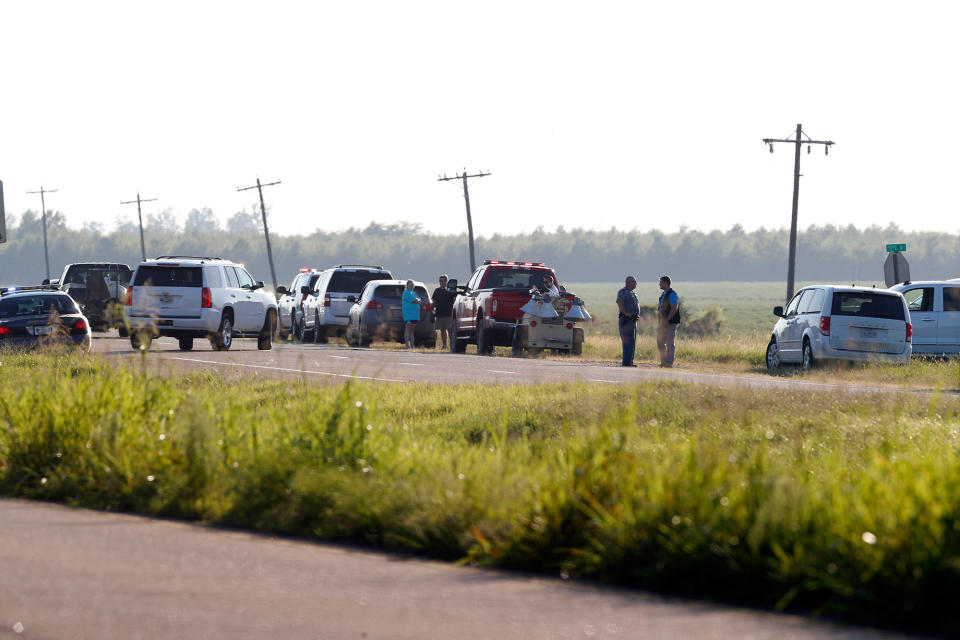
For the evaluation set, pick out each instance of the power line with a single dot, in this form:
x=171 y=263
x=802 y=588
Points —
x=43 y=207
x=266 y=232
x=798 y=142
x=466 y=198
x=143 y=247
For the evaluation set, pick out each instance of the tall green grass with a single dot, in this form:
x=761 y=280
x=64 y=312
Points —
x=846 y=505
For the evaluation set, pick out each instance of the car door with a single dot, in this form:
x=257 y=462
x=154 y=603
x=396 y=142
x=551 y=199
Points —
x=251 y=303
x=925 y=318
x=468 y=304
x=809 y=312
x=948 y=327
x=792 y=331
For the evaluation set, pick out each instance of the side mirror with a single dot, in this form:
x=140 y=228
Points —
x=281 y=290
x=563 y=289
x=259 y=284
x=45 y=281
x=452 y=284
x=305 y=289
x=778 y=311
x=351 y=298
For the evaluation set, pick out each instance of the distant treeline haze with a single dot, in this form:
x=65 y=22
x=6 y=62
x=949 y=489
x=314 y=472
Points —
x=828 y=254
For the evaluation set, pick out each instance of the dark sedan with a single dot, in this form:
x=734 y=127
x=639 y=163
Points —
x=377 y=315
x=40 y=316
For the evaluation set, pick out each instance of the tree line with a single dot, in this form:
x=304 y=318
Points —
x=836 y=254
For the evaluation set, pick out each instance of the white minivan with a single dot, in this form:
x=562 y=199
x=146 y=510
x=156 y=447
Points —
x=825 y=322
x=935 y=309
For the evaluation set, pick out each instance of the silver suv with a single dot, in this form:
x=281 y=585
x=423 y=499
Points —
x=187 y=297
x=326 y=311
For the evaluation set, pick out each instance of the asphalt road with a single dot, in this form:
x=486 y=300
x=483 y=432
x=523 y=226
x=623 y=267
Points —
x=332 y=363
x=79 y=574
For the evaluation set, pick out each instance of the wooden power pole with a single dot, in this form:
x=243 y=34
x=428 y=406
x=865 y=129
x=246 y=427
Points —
x=798 y=142
x=43 y=216
x=266 y=233
x=143 y=247
x=466 y=198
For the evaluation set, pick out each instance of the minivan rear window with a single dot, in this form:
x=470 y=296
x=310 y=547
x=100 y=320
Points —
x=353 y=281
x=395 y=291
x=162 y=276
x=866 y=304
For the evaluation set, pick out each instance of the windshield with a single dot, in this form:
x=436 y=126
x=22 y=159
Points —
x=38 y=305
x=353 y=281
x=514 y=278
x=157 y=276
x=866 y=304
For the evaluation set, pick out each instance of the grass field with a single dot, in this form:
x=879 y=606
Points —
x=844 y=505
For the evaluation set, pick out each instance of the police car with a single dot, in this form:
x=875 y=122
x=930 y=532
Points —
x=39 y=316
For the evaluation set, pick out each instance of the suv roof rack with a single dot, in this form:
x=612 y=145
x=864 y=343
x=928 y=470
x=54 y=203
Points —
x=186 y=257
x=39 y=287
x=366 y=266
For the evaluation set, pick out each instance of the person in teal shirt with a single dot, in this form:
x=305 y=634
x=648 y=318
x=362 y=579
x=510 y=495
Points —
x=411 y=314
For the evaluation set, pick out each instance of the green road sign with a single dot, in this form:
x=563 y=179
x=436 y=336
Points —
x=893 y=248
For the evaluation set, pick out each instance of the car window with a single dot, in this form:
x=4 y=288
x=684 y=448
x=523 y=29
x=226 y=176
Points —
x=951 y=298
x=213 y=277
x=246 y=280
x=352 y=281
x=472 y=283
x=313 y=281
x=811 y=301
x=232 y=281
x=38 y=305
x=514 y=278
x=867 y=304
x=163 y=276
x=792 y=307
x=389 y=291
x=919 y=299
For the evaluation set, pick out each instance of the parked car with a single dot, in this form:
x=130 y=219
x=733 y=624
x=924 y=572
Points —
x=290 y=304
x=44 y=315
x=824 y=322
x=935 y=311
x=187 y=297
x=326 y=311
x=377 y=314
x=99 y=288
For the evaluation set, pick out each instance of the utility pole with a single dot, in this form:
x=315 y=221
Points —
x=43 y=207
x=798 y=142
x=143 y=247
x=466 y=198
x=266 y=232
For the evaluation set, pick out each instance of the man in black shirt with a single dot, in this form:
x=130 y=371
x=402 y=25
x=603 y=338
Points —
x=443 y=300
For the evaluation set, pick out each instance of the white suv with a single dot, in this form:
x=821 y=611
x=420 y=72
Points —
x=326 y=310
x=935 y=310
x=187 y=297
x=823 y=322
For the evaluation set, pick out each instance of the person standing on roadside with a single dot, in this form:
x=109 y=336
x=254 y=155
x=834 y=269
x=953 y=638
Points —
x=411 y=314
x=443 y=300
x=627 y=319
x=668 y=319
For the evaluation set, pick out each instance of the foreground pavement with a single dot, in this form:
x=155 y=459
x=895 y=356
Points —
x=79 y=574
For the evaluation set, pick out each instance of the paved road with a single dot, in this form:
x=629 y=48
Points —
x=78 y=574
x=339 y=363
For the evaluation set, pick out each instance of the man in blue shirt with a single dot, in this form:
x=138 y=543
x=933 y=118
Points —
x=629 y=312
x=668 y=316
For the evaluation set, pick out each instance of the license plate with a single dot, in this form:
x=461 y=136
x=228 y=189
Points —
x=868 y=333
x=395 y=314
x=166 y=298
x=41 y=331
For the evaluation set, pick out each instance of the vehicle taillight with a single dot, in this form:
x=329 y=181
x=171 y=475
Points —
x=4 y=330
x=129 y=300
x=533 y=323
x=909 y=332
x=373 y=304
x=569 y=325
x=326 y=300
x=825 y=325
x=205 y=302
x=79 y=326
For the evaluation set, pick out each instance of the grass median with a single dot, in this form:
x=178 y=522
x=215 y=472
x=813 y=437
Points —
x=846 y=505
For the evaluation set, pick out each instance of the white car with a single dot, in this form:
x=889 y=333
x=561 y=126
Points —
x=935 y=309
x=824 y=322
x=187 y=297
x=326 y=311
x=290 y=304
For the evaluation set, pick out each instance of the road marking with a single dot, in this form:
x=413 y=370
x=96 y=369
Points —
x=610 y=381
x=341 y=357
x=411 y=364
x=319 y=373
x=499 y=371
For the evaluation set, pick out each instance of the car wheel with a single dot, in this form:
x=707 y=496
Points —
x=301 y=332
x=808 y=359
x=518 y=342
x=320 y=334
x=223 y=338
x=265 y=339
x=122 y=331
x=140 y=340
x=186 y=344
x=577 y=348
x=457 y=344
x=773 y=355
x=484 y=344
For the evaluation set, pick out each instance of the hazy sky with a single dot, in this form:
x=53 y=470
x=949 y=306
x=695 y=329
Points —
x=599 y=114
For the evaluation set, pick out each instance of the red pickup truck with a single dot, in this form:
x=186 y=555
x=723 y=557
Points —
x=487 y=309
